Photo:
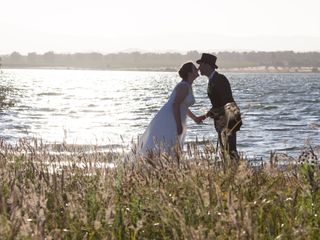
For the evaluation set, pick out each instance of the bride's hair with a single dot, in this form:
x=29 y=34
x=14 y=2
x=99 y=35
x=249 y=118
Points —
x=185 y=69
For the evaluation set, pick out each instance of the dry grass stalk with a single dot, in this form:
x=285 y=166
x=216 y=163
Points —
x=75 y=194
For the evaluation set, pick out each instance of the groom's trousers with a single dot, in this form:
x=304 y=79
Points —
x=229 y=144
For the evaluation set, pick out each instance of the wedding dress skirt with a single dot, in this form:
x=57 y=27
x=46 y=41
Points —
x=161 y=134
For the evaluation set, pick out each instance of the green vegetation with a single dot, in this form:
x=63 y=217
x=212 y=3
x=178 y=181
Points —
x=6 y=102
x=72 y=195
x=268 y=61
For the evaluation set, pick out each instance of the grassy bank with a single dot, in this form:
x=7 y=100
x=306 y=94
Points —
x=73 y=195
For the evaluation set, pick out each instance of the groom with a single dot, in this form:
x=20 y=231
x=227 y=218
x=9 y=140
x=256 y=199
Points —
x=220 y=95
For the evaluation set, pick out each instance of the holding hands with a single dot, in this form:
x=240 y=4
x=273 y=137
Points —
x=199 y=119
x=196 y=119
x=203 y=117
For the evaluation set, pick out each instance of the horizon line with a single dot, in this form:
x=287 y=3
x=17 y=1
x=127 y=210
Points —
x=142 y=51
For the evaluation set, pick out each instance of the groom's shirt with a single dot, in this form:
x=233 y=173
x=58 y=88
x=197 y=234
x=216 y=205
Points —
x=211 y=77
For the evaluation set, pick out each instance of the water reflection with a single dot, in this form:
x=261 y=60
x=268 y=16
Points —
x=280 y=111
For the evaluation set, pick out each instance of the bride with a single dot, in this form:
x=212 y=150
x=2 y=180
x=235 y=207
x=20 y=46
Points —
x=168 y=128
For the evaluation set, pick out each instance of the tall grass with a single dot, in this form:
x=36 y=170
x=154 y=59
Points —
x=73 y=195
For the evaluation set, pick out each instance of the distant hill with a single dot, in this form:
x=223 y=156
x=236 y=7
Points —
x=237 y=61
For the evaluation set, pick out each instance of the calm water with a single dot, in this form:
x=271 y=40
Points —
x=110 y=108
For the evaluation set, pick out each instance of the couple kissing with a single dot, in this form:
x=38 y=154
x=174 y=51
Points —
x=168 y=128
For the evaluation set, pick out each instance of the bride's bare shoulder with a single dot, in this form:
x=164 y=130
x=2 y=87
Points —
x=182 y=85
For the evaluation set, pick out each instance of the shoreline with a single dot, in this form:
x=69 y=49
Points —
x=64 y=148
x=260 y=69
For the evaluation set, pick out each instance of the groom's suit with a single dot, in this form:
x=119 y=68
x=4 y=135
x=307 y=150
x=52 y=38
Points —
x=219 y=90
x=219 y=93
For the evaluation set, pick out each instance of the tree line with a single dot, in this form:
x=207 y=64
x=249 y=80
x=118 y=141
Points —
x=159 y=61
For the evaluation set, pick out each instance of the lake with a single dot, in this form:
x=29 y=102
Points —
x=110 y=108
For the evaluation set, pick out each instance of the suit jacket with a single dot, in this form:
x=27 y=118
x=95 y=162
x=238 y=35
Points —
x=219 y=93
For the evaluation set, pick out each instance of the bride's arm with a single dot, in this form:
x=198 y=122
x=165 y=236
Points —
x=181 y=94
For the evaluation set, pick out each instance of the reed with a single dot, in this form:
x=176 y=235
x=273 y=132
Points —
x=73 y=194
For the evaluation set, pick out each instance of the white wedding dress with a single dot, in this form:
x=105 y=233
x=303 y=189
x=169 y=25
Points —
x=161 y=134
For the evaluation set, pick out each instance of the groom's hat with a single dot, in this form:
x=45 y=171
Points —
x=209 y=59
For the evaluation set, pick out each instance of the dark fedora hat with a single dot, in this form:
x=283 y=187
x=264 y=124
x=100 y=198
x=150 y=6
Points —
x=209 y=59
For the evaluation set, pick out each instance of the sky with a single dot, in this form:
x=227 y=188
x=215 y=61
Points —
x=68 y=26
